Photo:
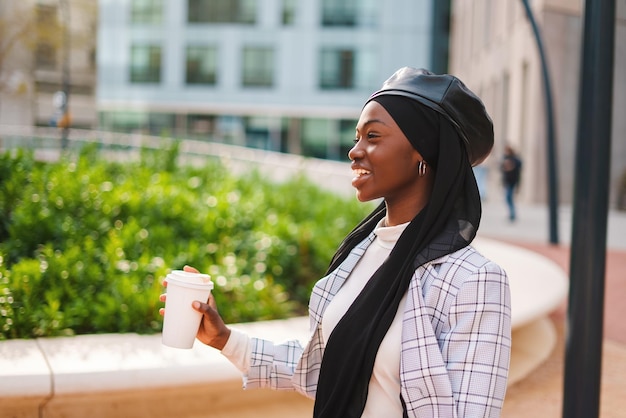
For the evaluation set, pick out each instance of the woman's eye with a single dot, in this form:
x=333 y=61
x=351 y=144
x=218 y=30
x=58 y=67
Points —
x=368 y=136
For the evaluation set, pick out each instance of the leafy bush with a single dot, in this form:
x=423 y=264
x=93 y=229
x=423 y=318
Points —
x=86 y=243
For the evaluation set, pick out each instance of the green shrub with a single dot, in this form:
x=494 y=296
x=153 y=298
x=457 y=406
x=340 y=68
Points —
x=86 y=243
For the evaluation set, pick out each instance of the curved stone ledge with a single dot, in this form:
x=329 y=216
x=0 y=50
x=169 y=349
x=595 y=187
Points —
x=119 y=371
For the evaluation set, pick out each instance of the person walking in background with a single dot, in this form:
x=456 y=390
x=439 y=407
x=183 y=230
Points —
x=410 y=319
x=511 y=168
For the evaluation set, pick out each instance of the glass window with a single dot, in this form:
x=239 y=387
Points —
x=201 y=67
x=146 y=11
x=315 y=134
x=258 y=67
x=45 y=55
x=337 y=69
x=221 y=11
x=200 y=125
x=327 y=138
x=346 y=137
x=145 y=64
x=263 y=132
x=47 y=25
x=339 y=13
x=137 y=122
x=289 y=12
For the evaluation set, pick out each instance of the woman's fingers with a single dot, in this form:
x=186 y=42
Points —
x=211 y=302
x=190 y=269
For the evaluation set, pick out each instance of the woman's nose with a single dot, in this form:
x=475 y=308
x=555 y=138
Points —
x=355 y=152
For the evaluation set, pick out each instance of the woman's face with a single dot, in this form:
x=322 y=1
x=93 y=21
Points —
x=384 y=162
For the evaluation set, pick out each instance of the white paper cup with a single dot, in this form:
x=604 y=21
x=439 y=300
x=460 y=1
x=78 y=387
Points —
x=181 y=321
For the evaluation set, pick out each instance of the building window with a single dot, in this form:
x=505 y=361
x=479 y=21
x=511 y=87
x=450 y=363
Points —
x=327 y=138
x=339 y=13
x=201 y=67
x=487 y=22
x=258 y=67
x=337 y=69
x=130 y=121
x=145 y=64
x=201 y=126
x=289 y=12
x=221 y=11
x=315 y=135
x=45 y=55
x=48 y=26
x=346 y=138
x=146 y=11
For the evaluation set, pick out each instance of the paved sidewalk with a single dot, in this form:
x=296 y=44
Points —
x=532 y=225
x=541 y=393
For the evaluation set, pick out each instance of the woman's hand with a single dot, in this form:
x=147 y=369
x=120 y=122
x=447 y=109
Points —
x=213 y=331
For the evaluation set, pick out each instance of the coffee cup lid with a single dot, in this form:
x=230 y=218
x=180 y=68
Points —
x=189 y=279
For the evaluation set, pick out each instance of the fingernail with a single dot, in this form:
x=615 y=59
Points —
x=195 y=304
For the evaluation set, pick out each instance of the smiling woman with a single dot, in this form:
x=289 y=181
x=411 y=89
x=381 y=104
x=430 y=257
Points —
x=410 y=319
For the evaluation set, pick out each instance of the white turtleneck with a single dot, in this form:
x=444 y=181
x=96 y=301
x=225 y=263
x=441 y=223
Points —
x=383 y=397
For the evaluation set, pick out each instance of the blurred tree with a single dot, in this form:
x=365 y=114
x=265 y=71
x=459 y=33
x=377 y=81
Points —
x=26 y=28
x=31 y=36
x=34 y=36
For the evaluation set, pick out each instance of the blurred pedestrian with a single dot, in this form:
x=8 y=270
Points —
x=511 y=168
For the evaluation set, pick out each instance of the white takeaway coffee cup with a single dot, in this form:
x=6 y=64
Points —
x=181 y=321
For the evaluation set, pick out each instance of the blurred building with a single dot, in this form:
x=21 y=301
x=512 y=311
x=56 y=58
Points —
x=283 y=75
x=493 y=49
x=48 y=47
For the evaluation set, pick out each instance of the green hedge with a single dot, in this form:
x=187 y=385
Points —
x=85 y=243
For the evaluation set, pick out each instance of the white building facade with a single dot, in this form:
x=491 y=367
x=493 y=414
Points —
x=283 y=75
x=493 y=49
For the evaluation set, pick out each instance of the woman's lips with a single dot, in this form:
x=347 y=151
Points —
x=360 y=175
x=359 y=172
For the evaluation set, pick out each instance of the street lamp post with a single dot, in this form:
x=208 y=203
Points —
x=583 y=349
x=553 y=192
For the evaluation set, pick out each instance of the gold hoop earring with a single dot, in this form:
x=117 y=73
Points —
x=421 y=168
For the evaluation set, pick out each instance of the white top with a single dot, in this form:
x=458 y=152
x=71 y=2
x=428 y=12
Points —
x=384 y=389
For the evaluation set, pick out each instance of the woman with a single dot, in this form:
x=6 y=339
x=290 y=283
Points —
x=410 y=319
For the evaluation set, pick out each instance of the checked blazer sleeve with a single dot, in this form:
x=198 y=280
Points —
x=272 y=365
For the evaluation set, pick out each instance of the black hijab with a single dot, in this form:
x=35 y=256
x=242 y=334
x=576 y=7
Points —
x=447 y=223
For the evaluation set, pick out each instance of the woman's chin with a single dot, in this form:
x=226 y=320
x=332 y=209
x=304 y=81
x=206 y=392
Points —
x=362 y=197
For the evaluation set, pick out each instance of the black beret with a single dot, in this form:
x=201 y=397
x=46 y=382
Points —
x=447 y=95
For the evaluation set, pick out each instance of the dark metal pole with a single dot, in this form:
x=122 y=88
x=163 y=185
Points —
x=583 y=356
x=553 y=192
x=440 y=44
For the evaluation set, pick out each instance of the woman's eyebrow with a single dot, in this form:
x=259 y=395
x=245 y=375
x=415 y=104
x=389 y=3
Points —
x=371 y=121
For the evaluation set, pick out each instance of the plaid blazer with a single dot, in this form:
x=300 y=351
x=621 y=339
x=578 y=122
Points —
x=456 y=338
